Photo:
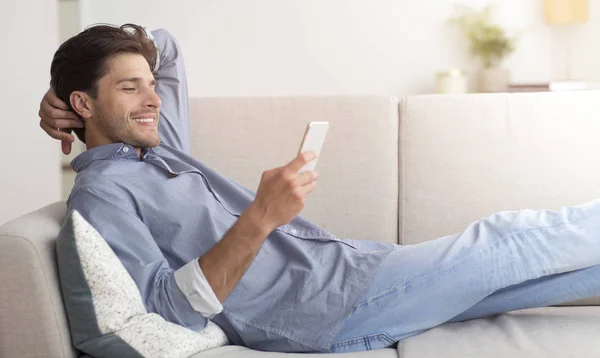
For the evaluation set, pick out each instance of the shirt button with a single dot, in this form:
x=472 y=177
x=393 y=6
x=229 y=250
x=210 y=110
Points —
x=125 y=149
x=294 y=231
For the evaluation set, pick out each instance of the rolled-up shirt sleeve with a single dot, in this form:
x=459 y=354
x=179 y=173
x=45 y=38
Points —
x=197 y=290
x=115 y=218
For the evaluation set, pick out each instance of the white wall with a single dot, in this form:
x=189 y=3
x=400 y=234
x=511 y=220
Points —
x=68 y=19
x=30 y=164
x=276 y=47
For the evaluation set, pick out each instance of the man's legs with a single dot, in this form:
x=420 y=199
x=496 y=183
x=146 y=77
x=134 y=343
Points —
x=507 y=261
x=542 y=292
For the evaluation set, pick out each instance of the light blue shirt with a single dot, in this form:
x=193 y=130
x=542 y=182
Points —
x=165 y=210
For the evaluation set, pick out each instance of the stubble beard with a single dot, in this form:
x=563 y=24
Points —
x=120 y=128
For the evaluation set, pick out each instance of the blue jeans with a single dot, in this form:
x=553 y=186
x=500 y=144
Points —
x=510 y=260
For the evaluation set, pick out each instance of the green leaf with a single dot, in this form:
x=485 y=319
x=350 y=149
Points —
x=488 y=42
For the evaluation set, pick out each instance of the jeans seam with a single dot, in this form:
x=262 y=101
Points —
x=491 y=247
x=349 y=342
x=366 y=340
x=387 y=337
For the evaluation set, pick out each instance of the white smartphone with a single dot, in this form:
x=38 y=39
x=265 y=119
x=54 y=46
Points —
x=313 y=140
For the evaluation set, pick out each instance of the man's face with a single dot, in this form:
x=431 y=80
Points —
x=126 y=109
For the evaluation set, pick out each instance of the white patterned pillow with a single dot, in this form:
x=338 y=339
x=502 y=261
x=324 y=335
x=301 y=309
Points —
x=106 y=313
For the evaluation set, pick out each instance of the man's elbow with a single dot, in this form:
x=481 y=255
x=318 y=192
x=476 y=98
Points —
x=166 y=42
x=169 y=302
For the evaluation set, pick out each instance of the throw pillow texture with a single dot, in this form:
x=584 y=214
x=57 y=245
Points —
x=107 y=316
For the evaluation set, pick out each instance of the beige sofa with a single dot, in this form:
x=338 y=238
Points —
x=403 y=172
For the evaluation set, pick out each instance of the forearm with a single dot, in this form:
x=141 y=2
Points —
x=172 y=89
x=226 y=262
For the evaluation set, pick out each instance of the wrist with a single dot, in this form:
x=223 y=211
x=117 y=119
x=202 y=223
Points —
x=254 y=219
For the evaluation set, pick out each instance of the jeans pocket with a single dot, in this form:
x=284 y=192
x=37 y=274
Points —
x=365 y=343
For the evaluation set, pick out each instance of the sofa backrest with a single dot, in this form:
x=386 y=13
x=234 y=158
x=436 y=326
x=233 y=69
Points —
x=357 y=191
x=465 y=157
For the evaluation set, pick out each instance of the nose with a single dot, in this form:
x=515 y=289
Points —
x=152 y=99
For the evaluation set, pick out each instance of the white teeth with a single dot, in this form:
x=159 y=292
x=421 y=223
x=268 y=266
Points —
x=146 y=120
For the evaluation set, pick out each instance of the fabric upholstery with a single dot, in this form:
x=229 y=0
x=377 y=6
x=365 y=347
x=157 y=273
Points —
x=106 y=312
x=534 y=333
x=32 y=318
x=465 y=157
x=242 y=137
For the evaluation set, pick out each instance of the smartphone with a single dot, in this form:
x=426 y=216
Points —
x=313 y=140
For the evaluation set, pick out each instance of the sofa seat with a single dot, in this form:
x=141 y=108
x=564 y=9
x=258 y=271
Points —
x=533 y=333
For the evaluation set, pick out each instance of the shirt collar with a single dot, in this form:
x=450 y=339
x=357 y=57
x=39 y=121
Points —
x=113 y=151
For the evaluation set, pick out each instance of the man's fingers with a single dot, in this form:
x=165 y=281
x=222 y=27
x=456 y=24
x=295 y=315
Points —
x=305 y=178
x=57 y=103
x=64 y=123
x=66 y=147
x=302 y=158
x=54 y=100
x=304 y=190
x=57 y=120
x=57 y=113
x=52 y=107
x=55 y=133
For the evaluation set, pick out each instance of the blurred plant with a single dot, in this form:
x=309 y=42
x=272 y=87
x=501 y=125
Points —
x=489 y=42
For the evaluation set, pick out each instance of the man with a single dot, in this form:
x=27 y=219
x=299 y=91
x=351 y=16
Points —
x=200 y=247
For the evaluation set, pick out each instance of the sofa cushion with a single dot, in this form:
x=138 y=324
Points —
x=106 y=313
x=533 y=333
x=357 y=193
x=465 y=157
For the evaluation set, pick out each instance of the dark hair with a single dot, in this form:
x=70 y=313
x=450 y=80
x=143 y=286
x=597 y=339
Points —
x=80 y=62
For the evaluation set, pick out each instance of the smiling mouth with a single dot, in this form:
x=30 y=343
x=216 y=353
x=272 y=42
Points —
x=144 y=120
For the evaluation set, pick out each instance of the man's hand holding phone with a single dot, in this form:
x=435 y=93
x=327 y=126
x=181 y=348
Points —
x=282 y=191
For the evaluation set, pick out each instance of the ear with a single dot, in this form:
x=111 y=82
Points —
x=81 y=103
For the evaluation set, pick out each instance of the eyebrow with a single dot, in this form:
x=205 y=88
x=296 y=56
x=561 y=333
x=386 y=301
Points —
x=134 y=79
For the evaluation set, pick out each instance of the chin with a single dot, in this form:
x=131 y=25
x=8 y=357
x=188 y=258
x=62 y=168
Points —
x=149 y=143
x=156 y=143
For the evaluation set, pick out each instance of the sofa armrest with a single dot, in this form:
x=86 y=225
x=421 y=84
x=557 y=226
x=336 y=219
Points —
x=32 y=318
